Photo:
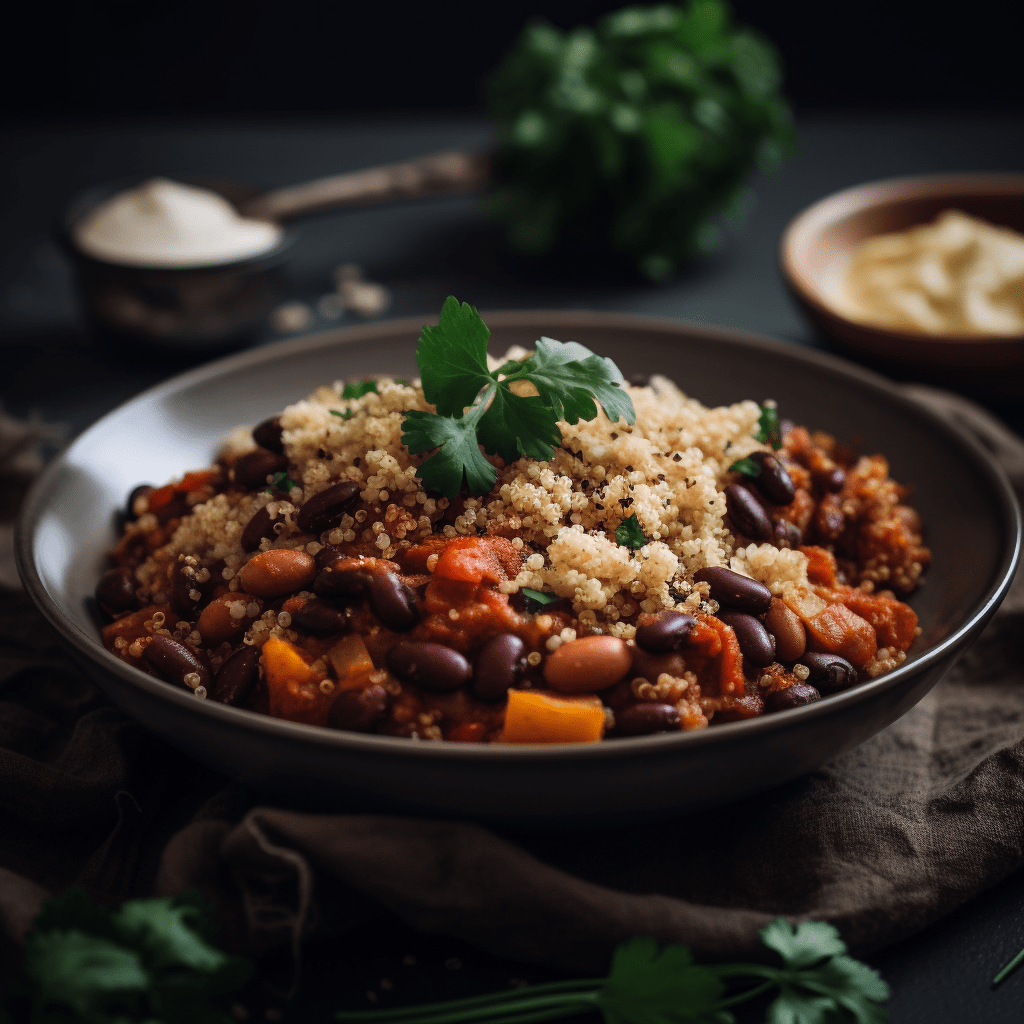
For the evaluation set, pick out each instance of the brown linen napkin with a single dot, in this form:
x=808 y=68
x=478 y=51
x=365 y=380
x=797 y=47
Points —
x=882 y=842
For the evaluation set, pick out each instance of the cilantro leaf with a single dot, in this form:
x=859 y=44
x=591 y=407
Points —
x=405 y=382
x=452 y=358
x=747 y=466
x=538 y=599
x=512 y=426
x=166 y=930
x=808 y=943
x=280 y=482
x=630 y=533
x=769 y=423
x=357 y=390
x=458 y=452
x=651 y=986
x=346 y=415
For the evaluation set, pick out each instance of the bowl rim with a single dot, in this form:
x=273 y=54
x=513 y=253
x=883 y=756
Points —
x=398 y=747
x=874 y=194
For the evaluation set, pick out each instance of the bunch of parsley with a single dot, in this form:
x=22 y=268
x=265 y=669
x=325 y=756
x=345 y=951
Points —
x=638 y=136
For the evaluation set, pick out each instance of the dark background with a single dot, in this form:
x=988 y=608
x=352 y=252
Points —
x=192 y=57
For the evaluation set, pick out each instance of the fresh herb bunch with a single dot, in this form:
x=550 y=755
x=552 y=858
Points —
x=476 y=406
x=149 y=961
x=817 y=983
x=638 y=136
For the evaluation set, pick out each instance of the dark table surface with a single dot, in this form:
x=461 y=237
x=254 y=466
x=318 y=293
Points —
x=423 y=252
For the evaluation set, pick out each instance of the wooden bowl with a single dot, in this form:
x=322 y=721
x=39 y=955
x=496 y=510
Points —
x=817 y=246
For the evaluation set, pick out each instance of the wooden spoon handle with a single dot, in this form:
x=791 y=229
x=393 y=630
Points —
x=450 y=172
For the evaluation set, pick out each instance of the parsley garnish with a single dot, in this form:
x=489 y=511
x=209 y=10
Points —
x=280 y=482
x=817 y=982
x=537 y=599
x=747 y=466
x=363 y=387
x=630 y=533
x=402 y=380
x=769 y=423
x=346 y=415
x=150 y=960
x=452 y=359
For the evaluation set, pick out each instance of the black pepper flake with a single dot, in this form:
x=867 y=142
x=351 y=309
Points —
x=629 y=469
x=598 y=506
x=677 y=457
x=625 y=502
x=585 y=485
x=356 y=461
x=320 y=453
x=615 y=436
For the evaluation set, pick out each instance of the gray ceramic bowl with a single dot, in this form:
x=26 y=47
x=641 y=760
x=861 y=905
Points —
x=972 y=523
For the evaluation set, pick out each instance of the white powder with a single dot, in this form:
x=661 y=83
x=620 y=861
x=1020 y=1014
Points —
x=163 y=223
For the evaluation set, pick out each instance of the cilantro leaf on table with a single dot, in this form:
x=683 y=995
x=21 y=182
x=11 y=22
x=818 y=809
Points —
x=630 y=534
x=452 y=358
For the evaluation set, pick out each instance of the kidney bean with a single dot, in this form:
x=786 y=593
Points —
x=319 y=618
x=650 y=666
x=269 y=435
x=734 y=590
x=774 y=482
x=173 y=661
x=325 y=510
x=341 y=584
x=828 y=672
x=794 y=696
x=829 y=477
x=252 y=469
x=646 y=719
x=497 y=666
x=785 y=625
x=588 y=664
x=908 y=516
x=392 y=601
x=665 y=633
x=787 y=534
x=183 y=586
x=757 y=645
x=358 y=710
x=261 y=525
x=115 y=591
x=432 y=666
x=237 y=676
x=216 y=623
x=328 y=555
x=278 y=572
x=829 y=521
x=746 y=512
x=129 y=506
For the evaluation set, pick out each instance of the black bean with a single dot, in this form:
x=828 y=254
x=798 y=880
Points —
x=828 y=672
x=787 y=535
x=665 y=633
x=237 y=676
x=432 y=666
x=326 y=509
x=334 y=584
x=115 y=591
x=137 y=492
x=261 y=525
x=746 y=512
x=392 y=601
x=794 y=696
x=253 y=468
x=269 y=435
x=736 y=591
x=358 y=710
x=173 y=661
x=328 y=555
x=646 y=719
x=774 y=482
x=497 y=666
x=319 y=619
x=757 y=645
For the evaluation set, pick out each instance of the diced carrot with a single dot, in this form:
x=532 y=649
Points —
x=705 y=639
x=821 y=565
x=470 y=561
x=293 y=685
x=838 y=630
x=351 y=661
x=730 y=661
x=894 y=622
x=159 y=496
x=537 y=716
x=468 y=732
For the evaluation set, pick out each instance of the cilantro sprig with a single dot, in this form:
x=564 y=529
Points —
x=630 y=534
x=477 y=406
x=769 y=432
x=816 y=982
x=280 y=482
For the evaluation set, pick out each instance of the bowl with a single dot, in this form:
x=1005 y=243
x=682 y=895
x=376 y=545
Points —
x=972 y=524
x=817 y=245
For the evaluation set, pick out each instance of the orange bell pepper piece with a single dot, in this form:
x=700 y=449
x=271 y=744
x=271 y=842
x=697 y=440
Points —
x=539 y=716
x=293 y=685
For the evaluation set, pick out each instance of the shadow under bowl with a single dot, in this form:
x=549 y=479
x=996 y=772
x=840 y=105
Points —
x=971 y=519
x=817 y=245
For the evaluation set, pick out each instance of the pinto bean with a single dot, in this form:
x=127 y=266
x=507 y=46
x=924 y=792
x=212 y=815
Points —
x=216 y=623
x=358 y=710
x=828 y=672
x=173 y=661
x=318 y=618
x=794 y=696
x=261 y=525
x=667 y=632
x=497 y=667
x=646 y=719
x=392 y=601
x=757 y=645
x=115 y=591
x=252 y=469
x=746 y=513
x=734 y=590
x=278 y=572
x=774 y=481
x=588 y=664
x=269 y=435
x=237 y=676
x=432 y=666
x=785 y=625
x=325 y=510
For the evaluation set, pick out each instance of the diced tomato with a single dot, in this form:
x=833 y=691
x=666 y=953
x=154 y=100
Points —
x=821 y=566
x=838 y=630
